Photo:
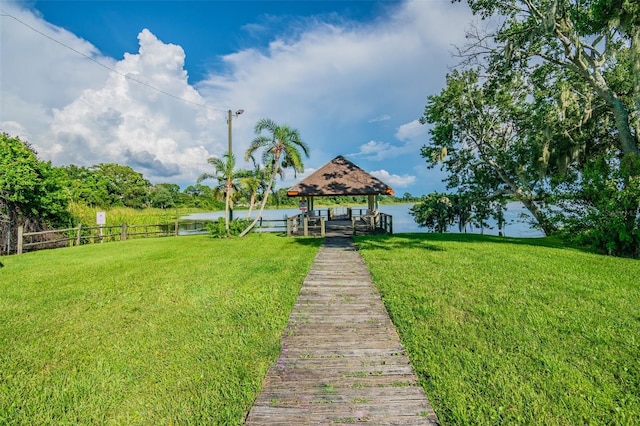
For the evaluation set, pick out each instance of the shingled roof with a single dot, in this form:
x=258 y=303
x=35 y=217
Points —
x=339 y=177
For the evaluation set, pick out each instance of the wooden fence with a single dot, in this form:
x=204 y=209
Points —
x=101 y=234
x=294 y=225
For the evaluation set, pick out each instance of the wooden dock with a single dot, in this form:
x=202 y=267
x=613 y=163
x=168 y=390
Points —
x=341 y=361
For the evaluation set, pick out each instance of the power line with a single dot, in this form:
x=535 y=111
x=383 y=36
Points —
x=128 y=77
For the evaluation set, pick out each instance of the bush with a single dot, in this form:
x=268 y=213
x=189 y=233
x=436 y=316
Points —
x=236 y=226
x=606 y=214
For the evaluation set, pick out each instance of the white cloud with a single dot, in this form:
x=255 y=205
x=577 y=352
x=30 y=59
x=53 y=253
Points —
x=38 y=74
x=393 y=180
x=383 y=117
x=328 y=80
x=374 y=150
x=130 y=123
x=412 y=131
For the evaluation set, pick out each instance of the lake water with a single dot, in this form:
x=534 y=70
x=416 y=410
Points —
x=402 y=220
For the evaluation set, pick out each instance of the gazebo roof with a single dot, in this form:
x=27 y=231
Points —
x=339 y=177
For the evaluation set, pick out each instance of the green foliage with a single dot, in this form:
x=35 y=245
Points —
x=434 y=211
x=165 y=195
x=604 y=213
x=281 y=149
x=482 y=136
x=200 y=196
x=439 y=211
x=31 y=192
x=124 y=185
x=228 y=181
x=236 y=226
x=28 y=186
x=555 y=92
x=505 y=331
x=164 y=331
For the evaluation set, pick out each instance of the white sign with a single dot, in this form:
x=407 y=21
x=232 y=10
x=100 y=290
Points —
x=101 y=218
x=303 y=205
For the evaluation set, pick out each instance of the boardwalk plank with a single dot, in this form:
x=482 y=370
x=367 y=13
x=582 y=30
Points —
x=341 y=361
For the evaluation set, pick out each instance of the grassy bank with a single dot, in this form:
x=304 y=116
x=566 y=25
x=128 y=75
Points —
x=508 y=331
x=161 y=331
x=128 y=215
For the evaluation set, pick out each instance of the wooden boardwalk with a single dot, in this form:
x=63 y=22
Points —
x=341 y=361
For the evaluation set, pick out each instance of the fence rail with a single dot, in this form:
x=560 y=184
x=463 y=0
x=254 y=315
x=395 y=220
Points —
x=297 y=224
x=100 y=234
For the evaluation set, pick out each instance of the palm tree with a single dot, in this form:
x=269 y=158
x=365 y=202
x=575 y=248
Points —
x=251 y=185
x=227 y=181
x=281 y=150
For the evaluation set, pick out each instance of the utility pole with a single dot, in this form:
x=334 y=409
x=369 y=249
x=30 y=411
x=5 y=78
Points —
x=230 y=116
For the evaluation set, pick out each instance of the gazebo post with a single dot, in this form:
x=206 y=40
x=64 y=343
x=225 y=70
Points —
x=371 y=202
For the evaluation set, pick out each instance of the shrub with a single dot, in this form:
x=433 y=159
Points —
x=236 y=226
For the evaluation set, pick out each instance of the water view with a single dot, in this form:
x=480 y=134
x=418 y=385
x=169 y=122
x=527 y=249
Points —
x=516 y=225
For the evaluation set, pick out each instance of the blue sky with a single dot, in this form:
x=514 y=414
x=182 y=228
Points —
x=351 y=76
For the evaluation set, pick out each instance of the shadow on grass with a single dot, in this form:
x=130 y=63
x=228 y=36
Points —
x=304 y=241
x=428 y=241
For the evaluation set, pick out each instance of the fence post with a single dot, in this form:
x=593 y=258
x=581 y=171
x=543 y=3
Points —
x=322 y=226
x=123 y=232
x=391 y=224
x=176 y=229
x=288 y=227
x=79 y=234
x=306 y=226
x=20 y=232
x=353 y=224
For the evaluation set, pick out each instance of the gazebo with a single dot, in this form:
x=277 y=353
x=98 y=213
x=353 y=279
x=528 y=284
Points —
x=341 y=177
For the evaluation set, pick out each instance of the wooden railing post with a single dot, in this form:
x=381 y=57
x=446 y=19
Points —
x=288 y=227
x=123 y=232
x=79 y=234
x=176 y=229
x=20 y=232
x=322 y=227
x=306 y=226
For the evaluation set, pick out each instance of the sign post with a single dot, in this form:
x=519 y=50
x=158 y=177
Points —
x=101 y=219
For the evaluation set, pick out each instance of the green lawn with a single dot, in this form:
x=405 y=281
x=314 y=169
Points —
x=158 y=331
x=514 y=331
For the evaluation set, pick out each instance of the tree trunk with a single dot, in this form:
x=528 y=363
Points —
x=262 y=204
x=621 y=115
x=252 y=203
x=227 y=208
x=547 y=227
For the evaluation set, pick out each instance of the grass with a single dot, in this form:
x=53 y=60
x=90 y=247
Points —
x=157 y=331
x=128 y=215
x=514 y=331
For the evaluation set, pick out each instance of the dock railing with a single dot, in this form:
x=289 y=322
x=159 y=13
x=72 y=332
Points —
x=308 y=224
x=372 y=221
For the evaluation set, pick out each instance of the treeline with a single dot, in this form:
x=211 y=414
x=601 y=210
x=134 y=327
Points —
x=38 y=196
x=113 y=185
